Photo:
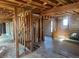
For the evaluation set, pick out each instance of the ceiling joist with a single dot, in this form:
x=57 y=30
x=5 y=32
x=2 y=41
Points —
x=61 y=9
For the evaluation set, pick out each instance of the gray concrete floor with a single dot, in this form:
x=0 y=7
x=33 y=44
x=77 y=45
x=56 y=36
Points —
x=11 y=51
x=56 y=49
x=45 y=51
x=49 y=49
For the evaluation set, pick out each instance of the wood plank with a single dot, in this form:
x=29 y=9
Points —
x=48 y=2
x=61 y=9
x=16 y=34
x=6 y=6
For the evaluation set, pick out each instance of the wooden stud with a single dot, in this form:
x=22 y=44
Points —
x=16 y=34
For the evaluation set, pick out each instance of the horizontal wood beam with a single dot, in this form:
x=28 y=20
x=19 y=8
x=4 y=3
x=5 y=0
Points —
x=6 y=6
x=10 y=4
x=61 y=9
x=48 y=2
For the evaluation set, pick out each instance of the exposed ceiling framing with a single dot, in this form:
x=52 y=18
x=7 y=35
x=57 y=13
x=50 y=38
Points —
x=37 y=6
x=62 y=9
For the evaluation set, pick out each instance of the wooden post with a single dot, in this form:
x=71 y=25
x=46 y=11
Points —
x=56 y=27
x=42 y=29
x=24 y=29
x=15 y=33
x=39 y=30
x=30 y=16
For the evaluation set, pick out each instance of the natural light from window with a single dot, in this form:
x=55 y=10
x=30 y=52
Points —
x=51 y=26
x=65 y=21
